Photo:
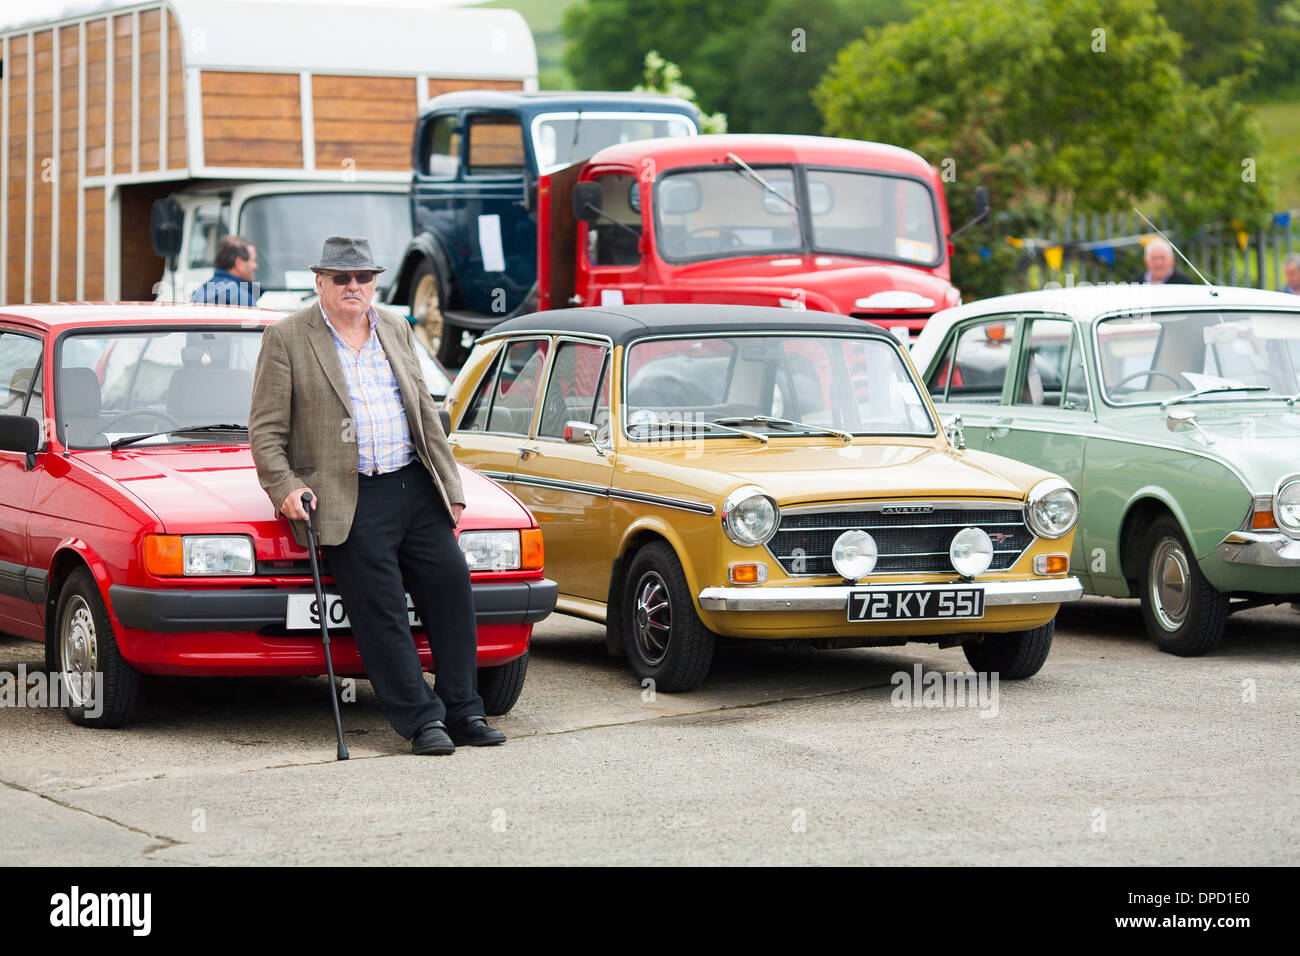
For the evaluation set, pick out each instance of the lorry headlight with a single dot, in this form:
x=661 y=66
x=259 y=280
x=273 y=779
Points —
x=211 y=554
x=971 y=552
x=490 y=550
x=854 y=554
x=750 y=516
x=1286 y=506
x=1053 y=508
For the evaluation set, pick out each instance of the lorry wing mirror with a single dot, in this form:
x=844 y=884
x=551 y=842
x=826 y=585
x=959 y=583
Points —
x=586 y=201
x=166 y=220
x=982 y=208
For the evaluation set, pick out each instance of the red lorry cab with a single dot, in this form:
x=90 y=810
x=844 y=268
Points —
x=804 y=222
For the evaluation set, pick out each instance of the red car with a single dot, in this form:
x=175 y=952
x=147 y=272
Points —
x=135 y=538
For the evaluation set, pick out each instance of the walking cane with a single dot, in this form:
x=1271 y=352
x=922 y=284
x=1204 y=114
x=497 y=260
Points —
x=324 y=623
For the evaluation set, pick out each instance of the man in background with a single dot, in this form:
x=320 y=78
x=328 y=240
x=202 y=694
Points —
x=1159 y=258
x=1291 y=269
x=232 y=281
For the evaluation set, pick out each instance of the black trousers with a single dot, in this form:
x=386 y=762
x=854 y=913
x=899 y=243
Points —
x=401 y=530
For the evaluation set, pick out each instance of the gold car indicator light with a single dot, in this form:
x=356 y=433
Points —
x=750 y=572
x=1051 y=563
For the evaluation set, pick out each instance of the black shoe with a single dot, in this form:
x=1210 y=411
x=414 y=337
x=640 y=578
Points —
x=432 y=739
x=475 y=732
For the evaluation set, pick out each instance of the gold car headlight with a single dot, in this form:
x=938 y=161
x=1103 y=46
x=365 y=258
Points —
x=1053 y=508
x=750 y=516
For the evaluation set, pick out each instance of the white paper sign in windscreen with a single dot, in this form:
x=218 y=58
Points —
x=489 y=243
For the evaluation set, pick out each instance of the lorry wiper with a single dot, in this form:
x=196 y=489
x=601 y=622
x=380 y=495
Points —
x=132 y=439
x=769 y=420
x=761 y=181
x=1215 y=388
x=715 y=425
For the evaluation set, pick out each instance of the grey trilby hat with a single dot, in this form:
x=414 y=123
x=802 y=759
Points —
x=346 y=254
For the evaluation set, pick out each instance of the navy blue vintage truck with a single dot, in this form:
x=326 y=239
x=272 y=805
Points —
x=476 y=160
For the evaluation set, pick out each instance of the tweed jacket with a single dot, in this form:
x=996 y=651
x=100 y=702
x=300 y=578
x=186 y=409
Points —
x=301 y=426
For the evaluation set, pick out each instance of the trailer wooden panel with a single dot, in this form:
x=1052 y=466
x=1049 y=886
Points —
x=101 y=112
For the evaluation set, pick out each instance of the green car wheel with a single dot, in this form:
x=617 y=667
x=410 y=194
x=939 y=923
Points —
x=1184 y=613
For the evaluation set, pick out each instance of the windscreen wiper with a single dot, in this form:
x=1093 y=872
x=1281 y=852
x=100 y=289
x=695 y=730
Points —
x=714 y=425
x=1215 y=388
x=132 y=439
x=749 y=170
x=768 y=419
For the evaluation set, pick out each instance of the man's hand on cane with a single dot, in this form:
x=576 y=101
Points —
x=291 y=507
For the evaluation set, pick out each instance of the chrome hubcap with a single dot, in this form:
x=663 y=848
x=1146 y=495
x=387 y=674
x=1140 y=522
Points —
x=652 y=618
x=80 y=650
x=428 y=311
x=1171 y=588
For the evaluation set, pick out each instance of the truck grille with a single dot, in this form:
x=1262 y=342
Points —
x=916 y=543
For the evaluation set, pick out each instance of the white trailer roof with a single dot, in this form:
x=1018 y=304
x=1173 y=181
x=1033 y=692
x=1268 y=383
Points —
x=432 y=38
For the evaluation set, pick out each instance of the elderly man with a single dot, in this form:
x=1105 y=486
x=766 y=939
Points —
x=232 y=281
x=1291 y=269
x=1159 y=257
x=340 y=409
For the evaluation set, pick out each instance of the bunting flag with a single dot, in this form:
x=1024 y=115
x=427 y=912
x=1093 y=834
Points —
x=1243 y=239
x=1105 y=253
x=1282 y=219
x=1054 y=255
x=986 y=252
x=1018 y=243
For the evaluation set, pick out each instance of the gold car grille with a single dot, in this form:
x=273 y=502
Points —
x=910 y=537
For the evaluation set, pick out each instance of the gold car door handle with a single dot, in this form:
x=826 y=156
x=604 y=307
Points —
x=526 y=450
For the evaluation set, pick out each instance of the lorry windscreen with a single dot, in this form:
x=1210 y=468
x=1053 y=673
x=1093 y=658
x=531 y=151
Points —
x=287 y=230
x=560 y=139
x=726 y=213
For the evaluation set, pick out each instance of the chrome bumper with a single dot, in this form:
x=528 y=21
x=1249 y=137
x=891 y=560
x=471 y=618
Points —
x=836 y=597
x=1270 y=549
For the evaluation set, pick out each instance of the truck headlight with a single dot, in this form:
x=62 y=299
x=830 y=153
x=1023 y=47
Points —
x=490 y=550
x=1286 y=506
x=750 y=516
x=1053 y=508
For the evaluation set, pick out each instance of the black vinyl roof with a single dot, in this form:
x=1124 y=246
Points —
x=628 y=323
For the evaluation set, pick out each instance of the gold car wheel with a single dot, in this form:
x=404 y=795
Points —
x=653 y=618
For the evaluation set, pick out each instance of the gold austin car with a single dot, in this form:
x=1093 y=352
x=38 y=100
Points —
x=759 y=473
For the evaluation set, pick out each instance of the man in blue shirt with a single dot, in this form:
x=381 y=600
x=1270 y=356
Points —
x=232 y=281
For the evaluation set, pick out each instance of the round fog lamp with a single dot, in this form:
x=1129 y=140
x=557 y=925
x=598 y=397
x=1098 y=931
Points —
x=971 y=552
x=854 y=554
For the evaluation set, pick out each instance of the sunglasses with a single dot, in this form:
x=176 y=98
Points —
x=363 y=278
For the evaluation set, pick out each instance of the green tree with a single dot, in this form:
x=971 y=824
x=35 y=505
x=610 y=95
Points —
x=663 y=76
x=1075 y=106
x=755 y=60
x=1220 y=36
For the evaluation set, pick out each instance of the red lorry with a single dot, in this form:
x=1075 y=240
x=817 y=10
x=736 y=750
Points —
x=803 y=222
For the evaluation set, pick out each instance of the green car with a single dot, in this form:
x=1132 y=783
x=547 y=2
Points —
x=1172 y=410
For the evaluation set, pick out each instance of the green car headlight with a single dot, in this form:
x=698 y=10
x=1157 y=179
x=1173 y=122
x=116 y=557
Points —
x=1286 y=506
x=750 y=516
x=1053 y=508
x=490 y=550
x=211 y=554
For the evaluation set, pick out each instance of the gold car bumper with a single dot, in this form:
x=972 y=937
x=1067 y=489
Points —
x=836 y=598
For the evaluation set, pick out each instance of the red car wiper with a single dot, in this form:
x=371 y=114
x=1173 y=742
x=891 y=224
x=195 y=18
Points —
x=132 y=439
